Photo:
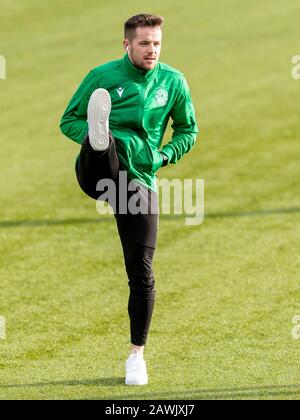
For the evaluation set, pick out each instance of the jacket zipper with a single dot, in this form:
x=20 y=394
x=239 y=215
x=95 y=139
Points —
x=143 y=89
x=142 y=104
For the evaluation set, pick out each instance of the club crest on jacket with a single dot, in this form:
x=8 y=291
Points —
x=161 y=97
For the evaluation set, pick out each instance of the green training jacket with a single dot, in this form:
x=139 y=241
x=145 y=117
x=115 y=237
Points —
x=142 y=104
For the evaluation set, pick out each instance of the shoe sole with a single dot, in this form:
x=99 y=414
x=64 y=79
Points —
x=134 y=382
x=98 y=112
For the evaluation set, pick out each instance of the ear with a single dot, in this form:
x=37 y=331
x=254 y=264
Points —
x=125 y=44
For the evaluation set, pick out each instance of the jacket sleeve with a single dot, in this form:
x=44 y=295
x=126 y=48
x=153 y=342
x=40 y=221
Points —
x=184 y=125
x=74 y=120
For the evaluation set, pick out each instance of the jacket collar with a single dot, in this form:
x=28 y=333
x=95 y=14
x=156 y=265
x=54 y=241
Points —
x=136 y=74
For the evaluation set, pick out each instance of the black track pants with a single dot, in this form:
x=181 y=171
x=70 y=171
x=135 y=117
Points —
x=138 y=234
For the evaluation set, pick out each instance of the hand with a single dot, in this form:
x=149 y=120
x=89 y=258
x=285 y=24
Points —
x=165 y=159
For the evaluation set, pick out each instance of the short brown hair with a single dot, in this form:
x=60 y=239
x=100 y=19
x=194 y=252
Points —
x=141 y=21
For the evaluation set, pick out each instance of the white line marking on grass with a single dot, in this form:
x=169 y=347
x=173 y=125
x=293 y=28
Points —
x=2 y=328
x=296 y=68
x=296 y=329
x=2 y=68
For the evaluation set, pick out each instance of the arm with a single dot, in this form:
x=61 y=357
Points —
x=74 y=121
x=184 y=126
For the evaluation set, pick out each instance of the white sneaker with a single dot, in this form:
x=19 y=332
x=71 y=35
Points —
x=98 y=112
x=136 y=370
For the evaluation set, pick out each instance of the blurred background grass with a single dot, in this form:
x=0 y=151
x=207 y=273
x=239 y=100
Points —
x=228 y=289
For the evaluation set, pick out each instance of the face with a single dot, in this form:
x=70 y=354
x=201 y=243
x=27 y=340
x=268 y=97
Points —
x=144 y=49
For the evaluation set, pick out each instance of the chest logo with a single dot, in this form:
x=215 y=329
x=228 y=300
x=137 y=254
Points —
x=161 y=97
x=120 y=91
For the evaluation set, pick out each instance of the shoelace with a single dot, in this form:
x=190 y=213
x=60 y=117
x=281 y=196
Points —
x=135 y=363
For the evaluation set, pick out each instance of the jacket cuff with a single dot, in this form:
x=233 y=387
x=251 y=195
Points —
x=169 y=152
x=158 y=161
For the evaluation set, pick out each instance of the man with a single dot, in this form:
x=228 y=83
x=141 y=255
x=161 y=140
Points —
x=119 y=115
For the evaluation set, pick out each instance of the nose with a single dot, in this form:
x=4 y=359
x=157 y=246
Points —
x=152 y=49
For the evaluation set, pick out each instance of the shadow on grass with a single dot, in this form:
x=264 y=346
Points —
x=49 y=223
x=110 y=219
x=274 y=391
x=103 y=382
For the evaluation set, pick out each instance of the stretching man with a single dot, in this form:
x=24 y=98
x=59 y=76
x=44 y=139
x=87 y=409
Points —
x=119 y=115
